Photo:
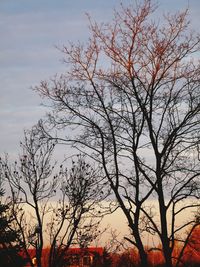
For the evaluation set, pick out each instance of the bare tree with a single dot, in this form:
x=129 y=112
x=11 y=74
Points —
x=32 y=187
x=130 y=100
x=78 y=212
x=59 y=208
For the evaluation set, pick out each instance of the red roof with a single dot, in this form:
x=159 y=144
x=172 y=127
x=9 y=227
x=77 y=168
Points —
x=98 y=250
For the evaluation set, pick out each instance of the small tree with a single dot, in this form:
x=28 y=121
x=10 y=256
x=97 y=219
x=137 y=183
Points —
x=31 y=188
x=82 y=191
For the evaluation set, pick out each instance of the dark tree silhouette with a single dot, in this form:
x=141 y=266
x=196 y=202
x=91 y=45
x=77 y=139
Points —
x=10 y=248
x=130 y=100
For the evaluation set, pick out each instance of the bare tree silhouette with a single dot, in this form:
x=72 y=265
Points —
x=130 y=100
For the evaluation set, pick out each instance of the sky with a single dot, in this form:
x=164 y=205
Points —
x=30 y=31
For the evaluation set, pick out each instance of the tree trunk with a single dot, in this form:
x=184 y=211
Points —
x=164 y=232
x=167 y=256
x=143 y=258
x=142 y=252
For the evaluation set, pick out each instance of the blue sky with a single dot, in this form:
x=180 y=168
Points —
x=29 y=31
